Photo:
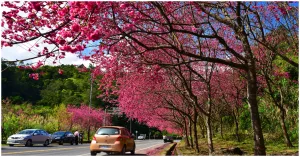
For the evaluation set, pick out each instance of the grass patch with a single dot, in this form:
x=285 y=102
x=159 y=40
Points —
x=187 y=151
x=246 y=145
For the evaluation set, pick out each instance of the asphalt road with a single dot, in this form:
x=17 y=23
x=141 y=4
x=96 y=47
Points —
x=142 y=146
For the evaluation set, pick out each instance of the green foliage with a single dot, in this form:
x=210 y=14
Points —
x=25 y=116
x=245 y=119
x=72 y=87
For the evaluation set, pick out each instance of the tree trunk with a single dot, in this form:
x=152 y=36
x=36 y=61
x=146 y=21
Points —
x=209 y=136
x=195 y=131
x=203 y=132
x=71 y=125
x=202 y=126
x=208 y=123
x=221 y=127
x=191 y=135
x=186 y=134
x=283 y=126
x=236 y=126
x=89 y=132
x=259 y=145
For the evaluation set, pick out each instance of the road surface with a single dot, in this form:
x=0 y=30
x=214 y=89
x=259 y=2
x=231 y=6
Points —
x=142 y=146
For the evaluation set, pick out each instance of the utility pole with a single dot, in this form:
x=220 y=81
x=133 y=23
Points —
x=130 y=126
x=91 y=91
x=90 y=104
x=104 y=119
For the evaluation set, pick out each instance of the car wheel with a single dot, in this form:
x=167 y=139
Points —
x=11 y=145
x=72 y=142
x=133 y=150
x=46 y=143
x=61 y=142
x=93 y=153
x=123 y=150
x=28 y=143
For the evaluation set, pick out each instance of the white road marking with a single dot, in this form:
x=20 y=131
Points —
x=149 y=147
x=83 y=154
x=39 y=150
x=135 y=151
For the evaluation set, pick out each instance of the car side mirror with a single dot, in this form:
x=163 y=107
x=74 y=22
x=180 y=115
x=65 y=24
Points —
x=34 y=134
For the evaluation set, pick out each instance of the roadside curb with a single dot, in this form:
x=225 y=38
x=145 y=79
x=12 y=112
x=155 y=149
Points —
x=172 y=149
x=177 y=152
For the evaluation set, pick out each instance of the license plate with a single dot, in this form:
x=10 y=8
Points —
x=104 y=147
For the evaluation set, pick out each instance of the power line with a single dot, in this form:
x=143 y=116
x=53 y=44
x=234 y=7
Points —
x=32 y=47
x=30 y=51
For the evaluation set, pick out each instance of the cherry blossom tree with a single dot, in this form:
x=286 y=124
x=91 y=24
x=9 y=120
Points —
x=230 y=95
x=152 y=33
x=87 y=117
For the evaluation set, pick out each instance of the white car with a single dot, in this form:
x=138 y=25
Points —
x=141 y=137
x=29 y=137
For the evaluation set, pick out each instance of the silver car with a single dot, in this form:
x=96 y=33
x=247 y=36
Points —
x=29 y=137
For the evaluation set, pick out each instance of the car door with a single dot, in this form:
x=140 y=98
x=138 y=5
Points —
x=71 y=137
x=36 y=137
x=67 y=137
x=44 y=136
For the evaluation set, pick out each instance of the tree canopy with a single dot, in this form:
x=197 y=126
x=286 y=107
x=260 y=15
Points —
x=188 y=60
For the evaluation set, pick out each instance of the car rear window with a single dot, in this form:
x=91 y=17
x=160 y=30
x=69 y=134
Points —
x=108 y=131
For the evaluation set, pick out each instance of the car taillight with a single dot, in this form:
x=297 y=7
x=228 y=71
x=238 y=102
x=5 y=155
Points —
x=94 y=140
x=119 y=138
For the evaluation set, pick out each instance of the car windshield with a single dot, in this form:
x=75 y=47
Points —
x=108 y=131
x=59 y=133
x=26 y=132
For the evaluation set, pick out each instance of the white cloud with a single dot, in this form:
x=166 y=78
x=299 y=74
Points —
x=21 y=52
x=73 y=59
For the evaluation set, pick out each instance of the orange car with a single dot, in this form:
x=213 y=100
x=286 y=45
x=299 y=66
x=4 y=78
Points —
x=111 y=139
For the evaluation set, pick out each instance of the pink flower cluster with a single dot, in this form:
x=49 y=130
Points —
x=75 y=27
x=38 y=65
x=72 y=49
x=85 y=116
x=34 y=76
x=96 y=35
x=60 y=71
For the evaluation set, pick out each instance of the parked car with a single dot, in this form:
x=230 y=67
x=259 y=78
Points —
x=141 y=137
x=62 y=137
x=112 y=139
x=168 y=139
x=29 y=137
